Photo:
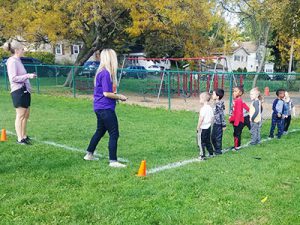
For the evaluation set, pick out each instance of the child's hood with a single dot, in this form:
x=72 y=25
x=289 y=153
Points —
x=220 y=105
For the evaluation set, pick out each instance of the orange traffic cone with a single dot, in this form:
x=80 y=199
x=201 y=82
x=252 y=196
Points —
x=142 y=169
x=267 y=91
x=3 y=135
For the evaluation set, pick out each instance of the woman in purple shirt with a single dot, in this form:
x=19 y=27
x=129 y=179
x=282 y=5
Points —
x=20 y=89
x=104 y=107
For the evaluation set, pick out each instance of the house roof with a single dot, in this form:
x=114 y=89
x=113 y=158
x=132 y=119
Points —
x=241 y=48
x=249 y=46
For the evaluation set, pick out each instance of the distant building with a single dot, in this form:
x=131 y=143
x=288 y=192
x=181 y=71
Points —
x=246 y=55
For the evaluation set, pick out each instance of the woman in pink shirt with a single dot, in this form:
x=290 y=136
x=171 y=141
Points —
x=20 y=88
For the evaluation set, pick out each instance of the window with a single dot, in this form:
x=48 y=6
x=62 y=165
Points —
x=237 y=58
x=76 y=49
x=246 y=58
x=242 y=59
x=59 y=49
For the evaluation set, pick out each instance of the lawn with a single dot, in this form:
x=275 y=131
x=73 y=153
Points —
x=44 y=184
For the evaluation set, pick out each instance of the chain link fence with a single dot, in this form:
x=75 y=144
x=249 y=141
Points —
x=173 y=90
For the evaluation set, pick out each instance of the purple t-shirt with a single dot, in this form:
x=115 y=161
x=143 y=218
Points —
x=103 y=84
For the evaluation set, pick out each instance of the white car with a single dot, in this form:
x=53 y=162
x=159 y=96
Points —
x=154 y=68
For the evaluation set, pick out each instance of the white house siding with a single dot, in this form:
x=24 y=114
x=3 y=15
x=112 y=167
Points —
x=239 y=59
x=252 y=63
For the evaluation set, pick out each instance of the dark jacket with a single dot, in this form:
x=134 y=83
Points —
x=219 y=115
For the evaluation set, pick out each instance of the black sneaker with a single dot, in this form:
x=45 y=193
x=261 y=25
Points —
x=22 y=142
x=28 y=139
x=271 y=136
x=202 y=158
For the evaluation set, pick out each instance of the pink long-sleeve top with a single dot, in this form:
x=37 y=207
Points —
x=17 y=74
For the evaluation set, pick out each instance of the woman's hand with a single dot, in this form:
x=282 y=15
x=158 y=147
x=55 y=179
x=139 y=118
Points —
x=123 y=98
x=31 y=75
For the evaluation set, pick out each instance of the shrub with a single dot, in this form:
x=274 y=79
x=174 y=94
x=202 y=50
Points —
x=44 y=57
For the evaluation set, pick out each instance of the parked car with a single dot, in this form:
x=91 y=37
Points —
x=138 y=72
x=154 y=68
x=33 y=65
x=89 y=68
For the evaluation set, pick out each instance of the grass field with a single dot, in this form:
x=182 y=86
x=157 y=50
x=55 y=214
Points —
x=44 y=184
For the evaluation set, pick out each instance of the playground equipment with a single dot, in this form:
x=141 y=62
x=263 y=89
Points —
x=188 y=81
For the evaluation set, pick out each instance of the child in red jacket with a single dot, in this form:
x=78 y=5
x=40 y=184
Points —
x=237 y=117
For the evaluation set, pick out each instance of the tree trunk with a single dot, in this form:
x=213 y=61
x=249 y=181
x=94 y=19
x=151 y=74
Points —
x=264 y=53
x=84 y=55
x=291 y=56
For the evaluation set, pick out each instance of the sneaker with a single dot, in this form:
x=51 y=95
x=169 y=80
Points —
x=210 y=156
x=28 y=139
x=201 y=158
x=271 y=136
x=285 y=132
x=90 y=157
x=22 y=142
x=116 y=164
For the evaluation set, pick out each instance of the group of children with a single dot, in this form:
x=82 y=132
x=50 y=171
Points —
x=211 y=123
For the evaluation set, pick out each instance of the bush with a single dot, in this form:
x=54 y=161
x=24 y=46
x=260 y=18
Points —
x=3 y=53
x=44 y=57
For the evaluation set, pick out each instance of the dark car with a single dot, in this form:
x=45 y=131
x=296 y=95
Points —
x=138 y=72
x=33 y=65
x=89 y=68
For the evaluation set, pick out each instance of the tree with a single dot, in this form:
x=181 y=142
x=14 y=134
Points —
x=97 y=24
x=258 y=17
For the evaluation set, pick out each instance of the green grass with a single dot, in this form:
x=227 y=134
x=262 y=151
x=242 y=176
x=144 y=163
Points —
x=42 y=184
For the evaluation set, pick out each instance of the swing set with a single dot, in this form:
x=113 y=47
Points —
x=187 y=81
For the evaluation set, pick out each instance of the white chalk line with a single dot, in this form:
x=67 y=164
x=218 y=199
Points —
x=52 y=143
x=189 y=161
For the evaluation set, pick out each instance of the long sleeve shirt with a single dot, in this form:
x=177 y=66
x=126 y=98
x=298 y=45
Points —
x=237 y=113
x=17 y=74
x=255 y=111
x=278 y=106
x=219 y=114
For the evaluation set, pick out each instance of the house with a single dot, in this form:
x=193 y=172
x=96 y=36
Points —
x=65 y=51
x=246 y=55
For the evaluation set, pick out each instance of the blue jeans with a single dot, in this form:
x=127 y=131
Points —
x=106 y=121
x=280 y=124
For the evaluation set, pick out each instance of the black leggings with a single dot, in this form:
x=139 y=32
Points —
x=237 y=134
x=287 y=122
x=106 y=121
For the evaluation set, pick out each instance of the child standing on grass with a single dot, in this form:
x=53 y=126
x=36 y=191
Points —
x=277 y=115
x=206 y=116
x=237 y=117
x=290 y=108
x=255 y=116
x=219 y=121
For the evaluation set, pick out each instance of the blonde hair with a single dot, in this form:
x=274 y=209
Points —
x=255 y=91
x=287 y=97
x=13 y=45
x=108 y=61
x=205 y=96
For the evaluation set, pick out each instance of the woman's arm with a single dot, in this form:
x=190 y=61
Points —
x=115 y=96
x=12 y=73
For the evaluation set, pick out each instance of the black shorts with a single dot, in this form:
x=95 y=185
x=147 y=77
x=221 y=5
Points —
x=21 y=98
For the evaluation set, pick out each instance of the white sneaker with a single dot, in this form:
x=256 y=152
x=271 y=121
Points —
x=90 y=157
x=116 y=164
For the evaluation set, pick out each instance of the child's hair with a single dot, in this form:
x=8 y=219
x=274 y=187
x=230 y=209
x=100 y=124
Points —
x=287 y=97
x=220 y=93
x=240 y=88
x=255 y=91
x=205 y=96
x=279 y=91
